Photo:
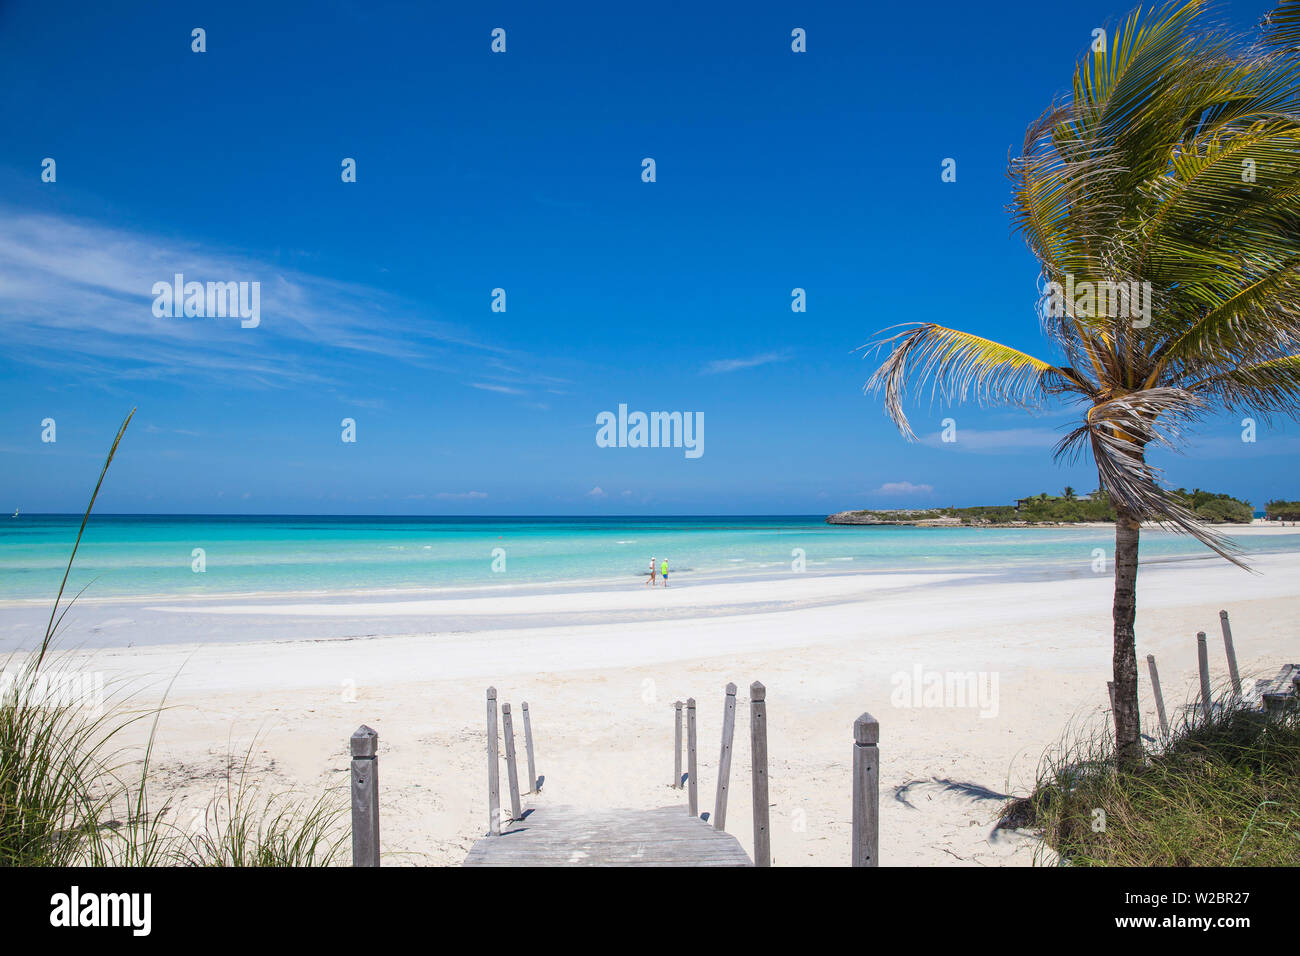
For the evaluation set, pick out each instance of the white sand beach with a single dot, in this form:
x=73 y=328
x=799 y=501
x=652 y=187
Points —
x=601 y=694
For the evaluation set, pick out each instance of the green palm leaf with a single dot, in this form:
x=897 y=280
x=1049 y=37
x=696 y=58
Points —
x=960 y=365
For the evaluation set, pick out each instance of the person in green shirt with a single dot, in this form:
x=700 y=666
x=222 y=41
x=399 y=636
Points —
x=663 y=571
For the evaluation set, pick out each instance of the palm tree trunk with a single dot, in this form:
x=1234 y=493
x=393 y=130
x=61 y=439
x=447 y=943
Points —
x=1128 y=744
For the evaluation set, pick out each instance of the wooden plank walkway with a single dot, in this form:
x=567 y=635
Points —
x=565 y=836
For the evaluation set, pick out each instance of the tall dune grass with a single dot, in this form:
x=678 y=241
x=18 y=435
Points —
x=67 y=799
x=1221 y=790
x=250 y=828
x=49 y=755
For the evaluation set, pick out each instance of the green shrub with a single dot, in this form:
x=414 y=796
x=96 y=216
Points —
x=1222 y=791
x=1282 y=511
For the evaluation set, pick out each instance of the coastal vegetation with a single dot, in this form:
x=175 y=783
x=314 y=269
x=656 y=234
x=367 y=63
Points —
x=1045 y=509
x=71 y=794
x=1282 y=511
x=1216 y=508
x=1173 y=166
x=1222 y=790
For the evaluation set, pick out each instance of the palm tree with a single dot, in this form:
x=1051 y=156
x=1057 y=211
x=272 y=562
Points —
x=1175 y=164
x=1068 y=494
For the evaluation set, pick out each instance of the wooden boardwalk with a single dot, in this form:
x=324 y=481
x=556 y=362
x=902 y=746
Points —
x=565 y=836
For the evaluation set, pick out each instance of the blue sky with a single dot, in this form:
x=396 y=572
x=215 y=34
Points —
x=522 y=171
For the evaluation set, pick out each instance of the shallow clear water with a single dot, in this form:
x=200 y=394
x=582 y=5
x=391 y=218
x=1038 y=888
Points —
x=152 y=554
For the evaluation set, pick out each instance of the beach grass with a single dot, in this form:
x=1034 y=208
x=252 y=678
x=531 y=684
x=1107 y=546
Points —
x=63 y=802
x=1221 y=790
x=52 y=748
x=252 y=828
x=66 y=800
x=50 y=755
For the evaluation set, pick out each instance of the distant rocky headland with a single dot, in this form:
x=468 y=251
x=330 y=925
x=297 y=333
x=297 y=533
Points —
x=900 y=516
x=1043 y=510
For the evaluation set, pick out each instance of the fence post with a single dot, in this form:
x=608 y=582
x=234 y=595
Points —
x=1160 y=699
x=866 y=790
x=1203 y=660
x=677 y=747
x=512 y=769
x=692 y=797
x=758 y=751
x=1110 y=689
x=724 y=758
x=1232 y=653
x=528 y=746
x=365 y=797
x=494 y=766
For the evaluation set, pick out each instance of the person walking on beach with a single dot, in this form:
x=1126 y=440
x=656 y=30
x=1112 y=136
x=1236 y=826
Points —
x=664 y=571
x=651 y=580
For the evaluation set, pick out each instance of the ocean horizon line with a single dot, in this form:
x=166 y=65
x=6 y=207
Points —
x=474 y=517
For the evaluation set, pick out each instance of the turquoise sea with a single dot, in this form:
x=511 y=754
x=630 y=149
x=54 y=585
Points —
x=138 y=555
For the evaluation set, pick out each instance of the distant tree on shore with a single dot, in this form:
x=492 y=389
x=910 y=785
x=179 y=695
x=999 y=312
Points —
x=1282 y=511
x=1170 y=176
x=1216 y=508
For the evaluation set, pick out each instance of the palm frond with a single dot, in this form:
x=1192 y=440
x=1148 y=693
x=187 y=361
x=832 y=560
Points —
x=1245 y=326
x=1267 y=388
x=1118 y=434
x=1281 y=27
x=959 y=365
x=1204 y=204
x=1124 y=81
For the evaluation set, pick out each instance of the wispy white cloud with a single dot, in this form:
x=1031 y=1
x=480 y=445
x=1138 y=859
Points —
x=503 y=389
x=903 y=488
x=76 y=294
x=460 y=495
x=722 y=366
x=373 y=404
x=506 y=378
x=153 y=429
x=597 y=492
x=1232 y=447
x=994 y=440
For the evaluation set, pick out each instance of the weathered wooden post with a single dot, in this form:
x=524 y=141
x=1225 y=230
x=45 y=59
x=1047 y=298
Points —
x=1160 y=699
x=1232 y=653
x=512 y=768
x=494 y=766
x=1203 y=660
x=677 y=747
x=528 y=746
x=724 y=758
x=365 y=797
x=758 y=751
x=866 y=790
x=1280 y=693
x=692 y=797
x=1110 y=689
